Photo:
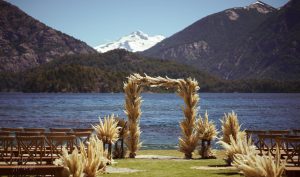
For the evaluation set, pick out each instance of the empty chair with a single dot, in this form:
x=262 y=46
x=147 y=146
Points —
x=81 y=137
x=268 y=142
x=291 y=150
x=56 y=144
x=60 y=129
x=41 y=130
x=31 y=149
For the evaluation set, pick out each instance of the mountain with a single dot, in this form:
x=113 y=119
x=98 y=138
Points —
x=26 y=43
x=134 y=42
x=253 y=42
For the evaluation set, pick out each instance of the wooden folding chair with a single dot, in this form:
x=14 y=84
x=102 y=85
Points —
x=41 y=130
x=81 y=137
x=12 y=129
x=267 y=143
x=6 y=149
x=253 y=134
x=60 y=129
x=57 y=143
x=31 y=149
x=291 y=149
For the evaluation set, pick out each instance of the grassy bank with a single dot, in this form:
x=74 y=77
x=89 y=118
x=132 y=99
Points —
x=171 y=167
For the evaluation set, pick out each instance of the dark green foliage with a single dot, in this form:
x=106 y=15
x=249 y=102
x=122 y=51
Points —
x=107 y=72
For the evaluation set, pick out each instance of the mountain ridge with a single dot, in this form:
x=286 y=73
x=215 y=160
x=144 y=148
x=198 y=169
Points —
x=26 y=42
x=222 y=44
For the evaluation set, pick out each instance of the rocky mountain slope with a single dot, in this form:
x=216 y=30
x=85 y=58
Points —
x=256 y=41
x=25 y=42
x=134 y=42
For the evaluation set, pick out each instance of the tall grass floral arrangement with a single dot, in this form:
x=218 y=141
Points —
x=230 y=127
x=207 y=132
x=107 y=131
x=240 y=145
x=94 y=157
x=253 y=165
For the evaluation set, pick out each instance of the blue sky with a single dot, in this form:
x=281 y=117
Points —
x=99 y=21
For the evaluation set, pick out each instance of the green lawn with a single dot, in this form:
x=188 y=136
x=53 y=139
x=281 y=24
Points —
x=170 y=168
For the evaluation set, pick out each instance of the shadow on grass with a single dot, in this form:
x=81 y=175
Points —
x=227 y=173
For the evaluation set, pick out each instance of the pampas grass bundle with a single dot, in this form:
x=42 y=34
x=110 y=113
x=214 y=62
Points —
x=187 y=89
x=230 y=127
x=240 y=145
x=94 y=157
x=253 y=165
x=133 y=111
x=107 y=130
x=206 y=129
x=73 y=162
x=207 y=132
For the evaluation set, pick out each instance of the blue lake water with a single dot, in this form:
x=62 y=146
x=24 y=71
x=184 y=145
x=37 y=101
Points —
x=161 y=112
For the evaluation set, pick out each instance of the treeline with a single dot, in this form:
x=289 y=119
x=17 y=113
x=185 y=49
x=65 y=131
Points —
x=107 y=72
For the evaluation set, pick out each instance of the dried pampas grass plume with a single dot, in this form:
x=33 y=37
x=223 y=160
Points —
x=240 y=145
x=207 y=132
x=253 y=165
x=73 y=162
x=230 y=126
x=107 y=131
x=94 y=157
x=206 y=129
x=186 y=88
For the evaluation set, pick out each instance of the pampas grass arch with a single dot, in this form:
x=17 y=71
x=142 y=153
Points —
x=186 y=89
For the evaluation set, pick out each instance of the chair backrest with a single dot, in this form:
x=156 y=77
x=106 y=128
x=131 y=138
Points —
x=253 y=134
x=12 y=129
x=268 y=142
x=41 y=130
x=54 y=134
x=81 y=137
x=6 y=147
x=83 y=130
x=56 y=144
x=282 y=132
x=60 y=129
x=296 y=131
x=31 y=149
x=291 y=149
x=4 y=133
x=28 y=133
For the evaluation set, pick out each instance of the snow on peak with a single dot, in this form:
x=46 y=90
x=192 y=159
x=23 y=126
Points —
x=261 y=7
x=134 y=42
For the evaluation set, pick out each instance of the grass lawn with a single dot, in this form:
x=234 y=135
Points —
x=171 y=167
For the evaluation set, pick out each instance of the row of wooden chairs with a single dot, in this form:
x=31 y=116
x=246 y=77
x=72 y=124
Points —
x=38 y=148
x=267 y=141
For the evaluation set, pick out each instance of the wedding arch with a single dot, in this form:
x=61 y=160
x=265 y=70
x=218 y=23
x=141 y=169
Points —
x=186 y=89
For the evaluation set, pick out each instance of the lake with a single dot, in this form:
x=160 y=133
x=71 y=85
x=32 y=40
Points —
x=161 y=112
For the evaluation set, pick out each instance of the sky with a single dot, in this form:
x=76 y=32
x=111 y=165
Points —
x=100 y=21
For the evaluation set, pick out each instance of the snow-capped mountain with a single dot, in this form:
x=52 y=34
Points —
x=134 y=42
